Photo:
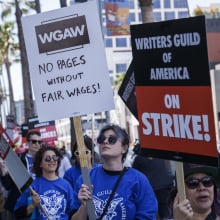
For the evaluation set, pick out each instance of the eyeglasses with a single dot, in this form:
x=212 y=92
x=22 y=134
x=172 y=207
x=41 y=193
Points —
x=35 y=142
x=194 y=183
x=111 y=139
x=50 y=158
x=76 y=153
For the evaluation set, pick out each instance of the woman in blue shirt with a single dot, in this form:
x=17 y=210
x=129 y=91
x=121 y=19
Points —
x=52 y=197
x=133 y=198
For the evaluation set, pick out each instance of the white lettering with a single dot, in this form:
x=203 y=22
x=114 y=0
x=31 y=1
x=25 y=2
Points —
x=174 y=73
x=59 y=35
x=176 y=126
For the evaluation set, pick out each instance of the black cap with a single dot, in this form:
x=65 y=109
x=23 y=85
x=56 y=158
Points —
x=190 y=168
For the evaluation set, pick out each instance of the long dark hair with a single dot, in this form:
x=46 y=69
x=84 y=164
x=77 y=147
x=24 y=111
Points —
x=89 y=145
x=39 y=156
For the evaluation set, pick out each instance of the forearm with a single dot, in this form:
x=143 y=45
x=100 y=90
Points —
x=81 y=213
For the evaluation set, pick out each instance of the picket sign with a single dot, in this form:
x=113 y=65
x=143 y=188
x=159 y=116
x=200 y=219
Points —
x=15 y=167
x=84 y=164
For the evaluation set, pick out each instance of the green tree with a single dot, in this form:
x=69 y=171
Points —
x=28 y=96
x=8 y=49
x=213 y=12
x=9 y=9
x=118 y=80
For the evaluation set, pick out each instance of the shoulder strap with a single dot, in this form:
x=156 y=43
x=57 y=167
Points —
x=112 y=193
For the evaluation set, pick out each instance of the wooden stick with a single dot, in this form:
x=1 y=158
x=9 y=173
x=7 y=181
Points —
x=84 y=164
x=180 y=180
x=42 y=208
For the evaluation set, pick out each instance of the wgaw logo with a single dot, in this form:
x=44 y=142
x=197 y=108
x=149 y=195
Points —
x=62 y=34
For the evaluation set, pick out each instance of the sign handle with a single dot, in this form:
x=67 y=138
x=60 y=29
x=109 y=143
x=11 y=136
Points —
x=42 y=208
x=180 y=180
x=84 y=164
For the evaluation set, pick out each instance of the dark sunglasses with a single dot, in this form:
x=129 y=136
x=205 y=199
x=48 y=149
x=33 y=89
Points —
x=111 y=139
x=76 y=153
x=50 y=158
x=194 y=183
x=36 y=141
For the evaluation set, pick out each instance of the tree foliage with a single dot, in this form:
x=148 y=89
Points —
x=213 y=12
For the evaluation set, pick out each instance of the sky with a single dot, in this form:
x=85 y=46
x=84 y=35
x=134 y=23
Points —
x=47 y=5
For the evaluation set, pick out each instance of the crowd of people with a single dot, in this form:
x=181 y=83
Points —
x=145 y=190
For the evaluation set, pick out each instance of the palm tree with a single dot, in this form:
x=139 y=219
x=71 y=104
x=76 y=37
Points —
x=37 y=6
x=8 y=48
x=63 y=3
x=28 y=97
x=146 y=10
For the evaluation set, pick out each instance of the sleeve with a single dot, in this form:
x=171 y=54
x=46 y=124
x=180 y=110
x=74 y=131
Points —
x=146 y=202
x=67 y=176
x=76 y=201
x=21 y=205
x=70 y=194
x=7 y=182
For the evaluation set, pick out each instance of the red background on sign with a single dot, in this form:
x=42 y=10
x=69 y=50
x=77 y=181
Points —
x=194 y=100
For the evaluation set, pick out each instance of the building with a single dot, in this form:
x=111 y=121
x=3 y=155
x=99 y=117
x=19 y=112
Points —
x=119 y=55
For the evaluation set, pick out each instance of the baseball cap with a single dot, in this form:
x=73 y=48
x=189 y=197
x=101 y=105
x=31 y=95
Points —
x=191 y=168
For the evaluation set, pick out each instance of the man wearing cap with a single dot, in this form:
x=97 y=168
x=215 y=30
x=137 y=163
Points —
x=201 y=194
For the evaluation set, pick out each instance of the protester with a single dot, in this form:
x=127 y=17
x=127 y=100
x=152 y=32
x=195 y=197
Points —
x=201 y=201
x=65 y=152
x=133 y=197
x=74 y=172
x=34 y=142
x=53 y=196
x=64 y=163
x=160 y=178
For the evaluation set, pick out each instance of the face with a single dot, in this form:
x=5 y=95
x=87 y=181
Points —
x=87 y=153
x=201 y=198
x=111 y=146
x=49 y=161
x=34 y=144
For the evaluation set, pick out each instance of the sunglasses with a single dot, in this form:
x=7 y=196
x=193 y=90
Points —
x=35 y=142
x=76 y=153
x=50 y=158
x=194 y=183
x=111 y=139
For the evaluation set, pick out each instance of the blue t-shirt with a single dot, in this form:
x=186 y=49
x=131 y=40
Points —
x=72 y=174
x=134 y=197
x=56 y=198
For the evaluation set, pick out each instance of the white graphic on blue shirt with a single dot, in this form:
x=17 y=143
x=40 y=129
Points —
x=54 y=204
x=111 y=212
